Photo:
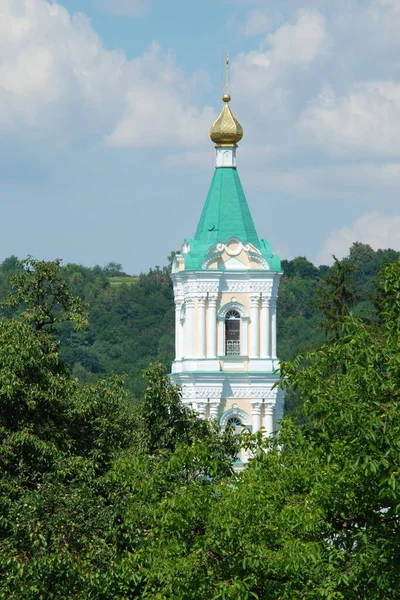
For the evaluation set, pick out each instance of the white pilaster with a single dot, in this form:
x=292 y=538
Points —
x=178 y=329
x=279 y=409
x=201 y=335
x=214 y=406
x=265 y=326
x=269 y=418
x=212 y=326
x=256 y=415
x=255 y=326
x=244 y=343
x=201 y=407
x=183 y=334
x=221 y=337
x=189 y=328
x=273 y=328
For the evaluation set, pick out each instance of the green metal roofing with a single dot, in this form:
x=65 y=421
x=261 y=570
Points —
x=225 y=214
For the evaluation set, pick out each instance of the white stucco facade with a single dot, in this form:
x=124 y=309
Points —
x=226 y=282
x=218 y=384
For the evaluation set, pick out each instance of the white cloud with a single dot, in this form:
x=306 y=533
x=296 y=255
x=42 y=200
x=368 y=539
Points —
x=291 y=46
x=375 y=229
x=264 y=80
x=134 y=8
x=257 y=22
x=158 y=111
x=59 y=84
x=365 y=121
x=301 y=43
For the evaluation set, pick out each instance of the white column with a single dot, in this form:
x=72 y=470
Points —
x=279 y=409
x=269 y=418
x=201 y=336
x=221 y=337
x=214 y=406
x=201 y=406
x=182 y=332
x=255 y=326
x=265 y=326
x=178 y=329
x=273 y=328
x=189 y=328
x=244 y=344
x=256 y=414
x=212 y=326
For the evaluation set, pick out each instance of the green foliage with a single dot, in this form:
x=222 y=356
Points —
x=336 y=295
x=316 y=513
x=132 y=318
x=43 y=296
x=106 y=500
x=57 y=440
x=74 y=457
x=131 y=324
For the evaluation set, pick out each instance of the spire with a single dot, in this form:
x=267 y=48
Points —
x=226 y=131
x=225 y=214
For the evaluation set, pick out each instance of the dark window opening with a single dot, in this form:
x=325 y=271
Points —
x=232 y=333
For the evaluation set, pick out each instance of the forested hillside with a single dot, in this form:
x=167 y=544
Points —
x=131 y=319
x=103 y=498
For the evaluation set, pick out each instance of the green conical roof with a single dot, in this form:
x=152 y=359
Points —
x=225 y=214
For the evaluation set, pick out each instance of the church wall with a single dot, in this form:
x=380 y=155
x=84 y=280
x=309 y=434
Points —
x=225 y=266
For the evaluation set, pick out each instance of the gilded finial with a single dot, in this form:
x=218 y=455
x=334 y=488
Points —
x=226 y=97
x=226 y=131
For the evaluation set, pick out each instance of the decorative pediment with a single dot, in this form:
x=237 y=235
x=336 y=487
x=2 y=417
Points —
x=235 y=412
x=234 y=305
x=233 y=264
x=178 y=264
x=234 y=255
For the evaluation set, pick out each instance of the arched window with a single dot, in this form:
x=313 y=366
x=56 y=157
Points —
x=234 y=422
x=232 y=333
x=237 y=427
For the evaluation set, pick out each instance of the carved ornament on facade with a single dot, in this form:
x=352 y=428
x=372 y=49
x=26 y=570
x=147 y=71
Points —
x=242 y=310
x=177 y=263
x=194 y=393
x=179 y=290
x=253 y=392
x=235 y=412
x=246 y=286
x=201 y=393
x=253 y=257
x=194 y=287
x=210 y=258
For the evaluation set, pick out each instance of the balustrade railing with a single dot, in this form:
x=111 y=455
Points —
x=232 y=347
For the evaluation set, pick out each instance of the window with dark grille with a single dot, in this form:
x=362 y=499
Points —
x=232 y=333
x=234 y=422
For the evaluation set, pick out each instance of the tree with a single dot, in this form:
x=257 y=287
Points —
x=105 y=500
x=114 y=269
x=57 y=440
x=336 y=295
x=301 y=267
x=44 y=297
x=74 y=457
x=316 y=513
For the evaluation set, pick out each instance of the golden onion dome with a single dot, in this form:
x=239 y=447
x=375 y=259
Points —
x=226 y=131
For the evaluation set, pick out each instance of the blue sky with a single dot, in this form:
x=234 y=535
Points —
x=105 y=108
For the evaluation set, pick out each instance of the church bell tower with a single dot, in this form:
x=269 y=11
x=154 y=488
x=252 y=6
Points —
x=226 y=286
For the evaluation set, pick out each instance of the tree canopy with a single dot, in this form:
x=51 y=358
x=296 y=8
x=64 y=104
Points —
x=105 y=498
x=62 y=444
x=131 y=319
